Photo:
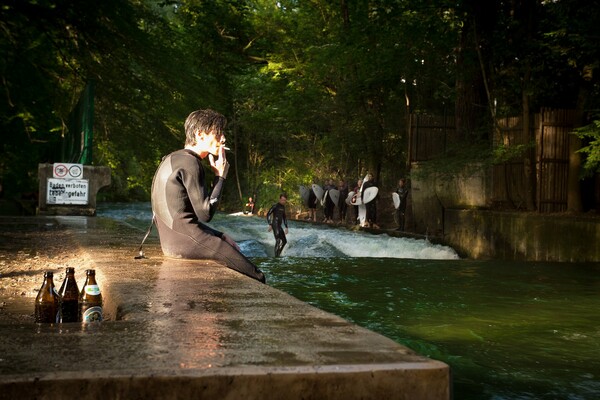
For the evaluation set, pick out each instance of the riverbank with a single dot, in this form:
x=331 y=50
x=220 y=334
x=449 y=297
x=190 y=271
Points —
x=179 y=328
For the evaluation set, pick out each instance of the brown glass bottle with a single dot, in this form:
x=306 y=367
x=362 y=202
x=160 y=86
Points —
x=47 y=302
x=69 y=293
x=90 y=299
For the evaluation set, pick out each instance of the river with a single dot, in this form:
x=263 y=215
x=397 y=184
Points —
x=508 y=330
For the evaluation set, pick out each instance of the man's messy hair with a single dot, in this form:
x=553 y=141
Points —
x=204 y=121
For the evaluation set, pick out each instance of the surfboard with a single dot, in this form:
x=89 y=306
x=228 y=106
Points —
x=354 y=200
x=349 y=198
x=364 y=180
x=304 y=195
x=396 y=200
x=240 y=214
x=334 y=194
x=369 y=194
x=324 y=197
x=318 y=191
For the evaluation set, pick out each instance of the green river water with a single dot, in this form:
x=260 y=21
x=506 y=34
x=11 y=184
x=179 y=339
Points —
x=508 y=330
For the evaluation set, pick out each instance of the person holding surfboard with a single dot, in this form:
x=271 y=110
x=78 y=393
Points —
x=329 y=204
x=370 y=203
x=355 y=201
x=402 y=192
x=342 y=206
x=276 y=218
x=182 y=204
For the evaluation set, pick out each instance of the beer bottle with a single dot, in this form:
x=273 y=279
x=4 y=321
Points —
x=90 y=299
x=69 y=293
x=47 y=302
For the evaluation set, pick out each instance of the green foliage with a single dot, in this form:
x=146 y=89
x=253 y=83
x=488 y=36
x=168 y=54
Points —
x=313 y=90
x=502 y=153
x=590 y=134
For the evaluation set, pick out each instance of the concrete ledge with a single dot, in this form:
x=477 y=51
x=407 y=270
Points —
x=195 y=329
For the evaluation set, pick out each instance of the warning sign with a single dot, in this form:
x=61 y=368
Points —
x=67 y=171
x=67 y=191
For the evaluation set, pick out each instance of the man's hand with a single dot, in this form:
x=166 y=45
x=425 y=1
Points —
x=219 y=165
x=286 y=231
x=231 y=242
x=270 y=228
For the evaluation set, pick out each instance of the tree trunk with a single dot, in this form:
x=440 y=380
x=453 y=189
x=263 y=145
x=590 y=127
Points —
x=470 y=95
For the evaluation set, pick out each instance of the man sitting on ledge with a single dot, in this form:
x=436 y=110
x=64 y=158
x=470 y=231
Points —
x=182 y=204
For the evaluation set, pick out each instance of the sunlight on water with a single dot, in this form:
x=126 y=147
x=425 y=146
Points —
x=308 y=240
x=304 y=239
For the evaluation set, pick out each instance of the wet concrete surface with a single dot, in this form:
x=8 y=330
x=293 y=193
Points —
x=195 y=329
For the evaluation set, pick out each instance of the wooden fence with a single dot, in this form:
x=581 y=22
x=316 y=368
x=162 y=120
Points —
x=550 y=132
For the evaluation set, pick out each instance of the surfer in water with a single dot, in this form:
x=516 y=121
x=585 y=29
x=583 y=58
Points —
x=276 y=218
x=182 y=204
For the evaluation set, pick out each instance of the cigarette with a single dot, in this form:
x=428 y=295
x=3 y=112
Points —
x=226 y=148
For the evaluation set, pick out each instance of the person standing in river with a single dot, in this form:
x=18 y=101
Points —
x=276 y=218
x=182 y=204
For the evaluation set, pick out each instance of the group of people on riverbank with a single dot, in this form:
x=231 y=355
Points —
x=182 y=202
x=362 y=198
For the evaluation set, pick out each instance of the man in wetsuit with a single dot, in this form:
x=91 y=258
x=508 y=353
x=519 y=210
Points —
x=402 y=191
x=276 y=218
x=182 y=204
x=329 y=204
x=342 y=206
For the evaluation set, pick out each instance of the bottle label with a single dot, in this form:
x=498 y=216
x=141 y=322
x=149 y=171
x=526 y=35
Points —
x=93 y=290
x=92 y=314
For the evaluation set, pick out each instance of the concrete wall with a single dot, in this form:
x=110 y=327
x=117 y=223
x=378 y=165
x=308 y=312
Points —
x=456 y=209
x=522 y=236
x=432 y=194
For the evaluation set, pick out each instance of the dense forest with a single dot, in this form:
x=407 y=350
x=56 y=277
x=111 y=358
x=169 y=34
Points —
x=312 y=89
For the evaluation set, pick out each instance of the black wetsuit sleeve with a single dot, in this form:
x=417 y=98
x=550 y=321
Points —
x=284 y=218
x=270 y=214
x=204 y=205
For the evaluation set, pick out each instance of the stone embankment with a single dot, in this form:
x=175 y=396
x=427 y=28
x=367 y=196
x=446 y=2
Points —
x=181 y=329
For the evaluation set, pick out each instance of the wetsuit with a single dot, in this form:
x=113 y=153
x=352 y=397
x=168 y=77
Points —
x=312 y=200
x=276 y=218
x=401 y=210
x=182 y=205
x=342 y=206
x=372 y=205
x=329 y=204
